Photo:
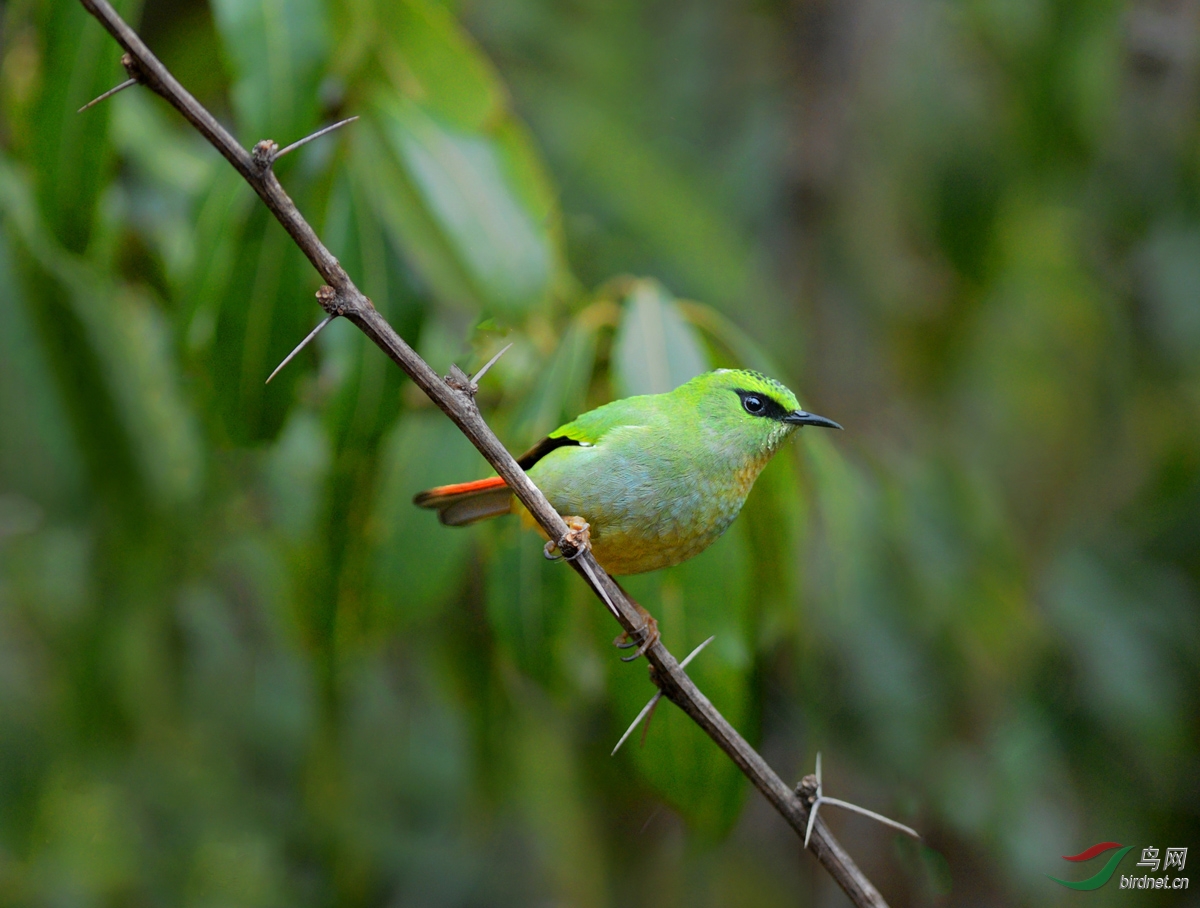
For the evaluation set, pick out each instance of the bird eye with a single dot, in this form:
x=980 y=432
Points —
x=752 y=403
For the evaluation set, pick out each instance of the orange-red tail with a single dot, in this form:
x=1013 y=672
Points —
x=466 y=502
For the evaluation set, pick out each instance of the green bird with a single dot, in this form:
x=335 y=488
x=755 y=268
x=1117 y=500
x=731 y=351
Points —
x=657 y=478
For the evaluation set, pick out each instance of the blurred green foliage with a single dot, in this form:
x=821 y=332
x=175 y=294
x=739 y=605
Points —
x=238 y=668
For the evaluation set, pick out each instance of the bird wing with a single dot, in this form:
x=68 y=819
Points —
x=589 y=428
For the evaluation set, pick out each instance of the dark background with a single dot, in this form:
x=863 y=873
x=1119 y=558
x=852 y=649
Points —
x=237 y=667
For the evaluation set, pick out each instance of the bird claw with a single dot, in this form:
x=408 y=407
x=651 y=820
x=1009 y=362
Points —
x=649 y=637
x=648 y=709
x=575 y=541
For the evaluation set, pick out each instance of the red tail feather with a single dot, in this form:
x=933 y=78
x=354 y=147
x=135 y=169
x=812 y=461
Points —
x=466 y=502
x=430 y=497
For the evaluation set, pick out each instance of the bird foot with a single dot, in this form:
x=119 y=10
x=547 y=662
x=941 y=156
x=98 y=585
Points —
x=649 y=636
x=576 y=541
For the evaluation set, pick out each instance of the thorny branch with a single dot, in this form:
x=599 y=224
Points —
x=456 y=398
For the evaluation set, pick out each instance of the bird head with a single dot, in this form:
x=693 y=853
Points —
x=749 y=409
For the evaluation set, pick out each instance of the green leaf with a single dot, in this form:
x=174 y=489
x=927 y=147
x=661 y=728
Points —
x=561 y=390
x=455 y=178
x=262 y=317
x=135 y=343
x=147 y=134
x=297 y=470
x=429 y=58
x=655 y=350
x=773 y=519
x=550 y=787
x=219 y=225
x=857 y=610
x=277 y=50
x=1037 y=367
x=249 y=309
x=526 y=599
x=418 y=562
x=1170 y=260
x=409 y=226
x=114 y=359
x=663 y=215
x=70 y=151
x=451 y=202
x=170 y=170
x=736 y=349
x=37 y=451
x=361 y=385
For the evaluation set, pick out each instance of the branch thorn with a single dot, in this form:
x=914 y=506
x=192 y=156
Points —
x=596 y=585
x=304 y=343
x=657 y=696
x=460 y=381
x=108 y=94
x=315 y=135
x=819 y=799
x=491 y=362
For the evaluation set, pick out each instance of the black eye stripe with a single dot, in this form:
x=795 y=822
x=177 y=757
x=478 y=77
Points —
x=770 y=409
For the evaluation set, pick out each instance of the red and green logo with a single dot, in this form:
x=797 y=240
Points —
x=1105 y=873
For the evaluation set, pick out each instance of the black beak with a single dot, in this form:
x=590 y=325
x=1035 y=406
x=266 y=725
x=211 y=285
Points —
x=801 y=418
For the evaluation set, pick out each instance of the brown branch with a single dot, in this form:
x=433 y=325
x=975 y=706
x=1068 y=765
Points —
x=456 y=397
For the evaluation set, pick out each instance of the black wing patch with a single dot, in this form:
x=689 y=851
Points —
x=542 y=448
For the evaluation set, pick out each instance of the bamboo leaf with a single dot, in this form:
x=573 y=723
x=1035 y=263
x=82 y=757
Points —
x=655 y=349
x=447 y=196
x=456 y=181
x=38 y=453
x=115 y=360
x=429 y=57
x=417 y=562
x=70 y=153
x=526 y=601
x=276 y=50
x=560 y=392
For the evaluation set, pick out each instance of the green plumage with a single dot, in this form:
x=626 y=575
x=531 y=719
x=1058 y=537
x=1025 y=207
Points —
x=657 y=477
